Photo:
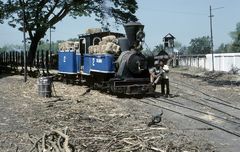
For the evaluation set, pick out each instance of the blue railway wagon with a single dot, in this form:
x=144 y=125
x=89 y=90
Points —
x=67 y=62
x=103 y=63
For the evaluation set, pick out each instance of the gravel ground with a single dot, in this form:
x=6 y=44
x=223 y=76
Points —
x=101 y=122
x=196 y=86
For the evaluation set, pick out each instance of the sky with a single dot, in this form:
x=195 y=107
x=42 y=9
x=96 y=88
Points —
x=184 y=19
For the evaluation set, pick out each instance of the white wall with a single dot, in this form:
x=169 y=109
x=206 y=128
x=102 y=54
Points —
x=222 y=62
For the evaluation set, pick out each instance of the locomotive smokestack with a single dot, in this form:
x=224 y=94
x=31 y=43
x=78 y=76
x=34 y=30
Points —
x=131 y=29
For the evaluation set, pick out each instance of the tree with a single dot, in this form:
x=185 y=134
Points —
x=183 y=50
x=201 y=45
x=177 y=45
x=157 y=49
x=223 y=48
x=11 y=47
x=39 y=16
x=45 y=45
x=235 y=47
x=1 y=12
x=236 y=34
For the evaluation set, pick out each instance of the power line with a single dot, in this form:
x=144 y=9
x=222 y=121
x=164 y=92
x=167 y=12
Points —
x=178 y=12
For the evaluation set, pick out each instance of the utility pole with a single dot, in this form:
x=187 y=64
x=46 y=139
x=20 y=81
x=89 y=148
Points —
x=211 y=32
x=211 y=16
x=50 y=39
x=50 y=46
x=24 y=41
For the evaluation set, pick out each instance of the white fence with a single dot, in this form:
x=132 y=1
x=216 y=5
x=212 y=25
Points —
x=222 y=62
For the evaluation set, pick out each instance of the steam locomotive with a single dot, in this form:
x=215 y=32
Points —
x=122 y=72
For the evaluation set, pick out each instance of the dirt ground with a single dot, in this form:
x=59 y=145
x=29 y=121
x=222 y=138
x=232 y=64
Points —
x=98 y=121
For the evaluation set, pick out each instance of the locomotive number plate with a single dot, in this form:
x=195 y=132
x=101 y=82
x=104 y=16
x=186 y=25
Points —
x=96 y=60
x=99 y=60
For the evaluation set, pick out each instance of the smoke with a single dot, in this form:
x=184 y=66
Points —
x=107 y=16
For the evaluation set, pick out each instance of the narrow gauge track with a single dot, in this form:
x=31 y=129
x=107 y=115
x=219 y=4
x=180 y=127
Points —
x=198 y=90
x=217 y=100
x=209 y=106
x=195 y=110
x=146 y=101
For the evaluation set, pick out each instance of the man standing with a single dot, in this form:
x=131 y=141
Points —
x=165 y=81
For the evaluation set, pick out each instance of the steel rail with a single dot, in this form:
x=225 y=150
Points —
x=223 y=103
x=186 y=107
x=194 y=118
x=191 y=87
x=213 y=108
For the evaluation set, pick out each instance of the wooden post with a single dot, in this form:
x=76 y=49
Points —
x=22 y=60
x=15 y=62
x=34 y=62
x=1 y=58
x=37 y=66
x=17 y=59
x=198 y=60
x=42 y=61
x=14 y=59
x=205 y=63
x=4 y=57
x=190 y=61
x=51 y=59
x=10 y=59
x=7 y=55
x=47 y=62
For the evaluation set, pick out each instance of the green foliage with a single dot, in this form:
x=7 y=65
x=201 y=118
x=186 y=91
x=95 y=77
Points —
x=235 y=46
x=224 y=48
x=201 y=45
x=158 y=49
x=43 y=14
x=11 y=47
x=39 y=16
x=177 y=45
x=46 y=46
x=73 y=39
x=236 y=34
x=183 y=50
x=1 y=12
